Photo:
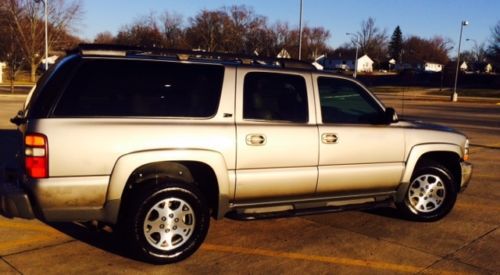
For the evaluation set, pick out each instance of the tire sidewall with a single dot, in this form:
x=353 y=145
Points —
x=450 y=195
x=202 y=217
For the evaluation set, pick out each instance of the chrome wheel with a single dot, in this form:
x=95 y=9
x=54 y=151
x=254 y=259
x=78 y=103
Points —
x=169 y=224
x=426 y=193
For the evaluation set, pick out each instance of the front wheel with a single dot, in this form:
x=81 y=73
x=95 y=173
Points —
x=431 y=193
x=167 y=223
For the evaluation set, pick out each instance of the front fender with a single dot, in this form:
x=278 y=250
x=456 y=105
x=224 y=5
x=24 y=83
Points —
x=415 y=154
x=126 y=165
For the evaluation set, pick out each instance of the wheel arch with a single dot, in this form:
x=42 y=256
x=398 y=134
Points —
x=206 y=169
x=448 y=155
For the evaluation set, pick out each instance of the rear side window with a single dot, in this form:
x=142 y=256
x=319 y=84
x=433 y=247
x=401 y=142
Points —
x=142 y=88
x=275 y=97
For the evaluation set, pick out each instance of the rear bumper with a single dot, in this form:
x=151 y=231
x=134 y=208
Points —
x=14 y=202
x=466 y=175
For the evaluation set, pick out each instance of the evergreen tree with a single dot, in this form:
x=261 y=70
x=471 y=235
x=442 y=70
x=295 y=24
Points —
x=396 y=44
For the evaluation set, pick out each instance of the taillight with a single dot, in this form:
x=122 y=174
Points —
x=36 y=155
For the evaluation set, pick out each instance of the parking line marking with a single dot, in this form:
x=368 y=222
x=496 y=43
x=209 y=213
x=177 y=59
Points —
x=325 y=259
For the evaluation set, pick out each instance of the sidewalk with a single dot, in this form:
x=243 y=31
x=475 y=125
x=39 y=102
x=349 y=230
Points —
x=424 y=96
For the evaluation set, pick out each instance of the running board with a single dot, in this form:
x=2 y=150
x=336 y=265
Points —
x=296 y=212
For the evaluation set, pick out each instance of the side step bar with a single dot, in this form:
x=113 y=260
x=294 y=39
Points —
x=240 y=215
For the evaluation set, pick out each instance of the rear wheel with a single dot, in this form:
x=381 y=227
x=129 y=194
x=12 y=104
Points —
x=431 y=193
x=167 y=223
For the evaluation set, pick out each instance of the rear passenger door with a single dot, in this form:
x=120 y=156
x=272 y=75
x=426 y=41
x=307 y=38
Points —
x=277 y=136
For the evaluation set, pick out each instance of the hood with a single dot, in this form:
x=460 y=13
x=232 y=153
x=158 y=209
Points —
x=418 y=124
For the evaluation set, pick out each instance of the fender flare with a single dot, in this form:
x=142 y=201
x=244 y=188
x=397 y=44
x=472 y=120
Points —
x=414 y=156
x=128 y=163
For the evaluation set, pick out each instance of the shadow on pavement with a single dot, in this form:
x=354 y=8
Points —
x=10 y=147
x=96 y=235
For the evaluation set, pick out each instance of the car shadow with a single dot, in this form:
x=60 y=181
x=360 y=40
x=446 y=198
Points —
x=96 y=235
x=10 y=149
x=387 y=212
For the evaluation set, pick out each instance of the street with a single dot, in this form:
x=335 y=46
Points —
x=467 y=241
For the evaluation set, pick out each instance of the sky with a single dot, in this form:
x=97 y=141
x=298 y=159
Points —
x=424 y=18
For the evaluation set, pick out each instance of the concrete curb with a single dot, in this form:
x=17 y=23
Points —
x=399 y=96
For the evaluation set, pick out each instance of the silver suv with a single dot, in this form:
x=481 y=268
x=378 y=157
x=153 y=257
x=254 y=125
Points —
x=154 y=142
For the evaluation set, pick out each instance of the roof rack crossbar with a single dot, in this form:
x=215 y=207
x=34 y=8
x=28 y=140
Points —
x=124 y=50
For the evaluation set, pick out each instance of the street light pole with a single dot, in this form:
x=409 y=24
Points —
x=356 y=58
x=454 y=96
x=45 y=6
x=475 y=50
x=300 y=31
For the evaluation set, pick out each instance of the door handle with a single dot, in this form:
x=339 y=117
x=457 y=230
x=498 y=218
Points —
x=329 y=138
x=255 y=139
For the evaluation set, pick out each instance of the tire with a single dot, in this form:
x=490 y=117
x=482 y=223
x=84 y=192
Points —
x=167 y=223
x=431 y=193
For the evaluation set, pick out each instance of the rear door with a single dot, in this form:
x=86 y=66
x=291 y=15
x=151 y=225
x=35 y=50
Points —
x=277 y=137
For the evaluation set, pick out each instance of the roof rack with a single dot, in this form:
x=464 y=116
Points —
x=123 y=50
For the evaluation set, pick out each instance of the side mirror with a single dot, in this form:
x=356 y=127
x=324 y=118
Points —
x=390 y=115
x=18 y=119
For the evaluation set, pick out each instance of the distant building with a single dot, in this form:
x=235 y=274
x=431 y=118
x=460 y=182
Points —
x=481 y=67
x=432 y=67
x=425 y=66
x=2 y=66
x=283 y=54
x=347 y=63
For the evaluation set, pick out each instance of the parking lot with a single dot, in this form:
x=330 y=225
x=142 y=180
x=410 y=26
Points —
x=362 y=242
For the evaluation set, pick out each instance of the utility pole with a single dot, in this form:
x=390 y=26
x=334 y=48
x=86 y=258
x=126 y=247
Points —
x=356 y=58
x=454 y=96
x=300 y=32
x=46 y=12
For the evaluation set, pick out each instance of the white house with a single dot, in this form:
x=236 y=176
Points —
x=365 y=64
x=2 y=66
x=432 y=67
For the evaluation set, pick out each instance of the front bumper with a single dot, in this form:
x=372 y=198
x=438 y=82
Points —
x=466 y=174
x=14 y=202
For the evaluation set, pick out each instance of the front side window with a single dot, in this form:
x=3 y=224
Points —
x=275 y=97
x=142 y=88
x=344 y=101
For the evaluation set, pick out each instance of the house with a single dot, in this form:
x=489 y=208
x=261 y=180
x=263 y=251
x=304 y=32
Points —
x=2 y=66
x=432 y=67
x=347 y=63
x=425 y=66
x=283 y=54
x=481 y=67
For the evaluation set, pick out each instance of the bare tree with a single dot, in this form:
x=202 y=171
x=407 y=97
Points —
x=372 y=40
x=144 y=32
x=494 y=47
x=172 y=29
x=104 y=38
x=207 y=29
x=25 y=19
x=419 y=50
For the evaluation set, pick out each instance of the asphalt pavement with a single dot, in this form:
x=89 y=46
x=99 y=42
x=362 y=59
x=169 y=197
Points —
x=467 y=241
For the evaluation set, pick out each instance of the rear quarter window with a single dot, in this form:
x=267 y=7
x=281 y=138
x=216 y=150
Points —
x=112 y=87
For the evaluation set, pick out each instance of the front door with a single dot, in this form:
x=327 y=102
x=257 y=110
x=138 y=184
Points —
x=358 y=149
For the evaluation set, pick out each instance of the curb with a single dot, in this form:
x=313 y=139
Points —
x=487 y=100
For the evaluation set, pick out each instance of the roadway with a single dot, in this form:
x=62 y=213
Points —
x=467 y=241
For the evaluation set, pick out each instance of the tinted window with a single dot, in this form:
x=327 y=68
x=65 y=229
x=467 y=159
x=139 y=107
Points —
x=142 y=88
x=344 y=101
x=50 y=86
x=280 y=97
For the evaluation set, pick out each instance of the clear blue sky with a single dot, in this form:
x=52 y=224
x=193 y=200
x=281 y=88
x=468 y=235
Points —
x=425 y=18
